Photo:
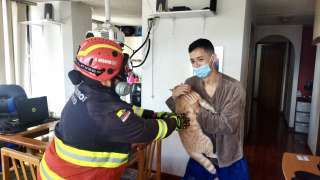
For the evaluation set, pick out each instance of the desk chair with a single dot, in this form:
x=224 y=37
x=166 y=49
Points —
x=8 y=93
x=143 y=156
x=20 y=161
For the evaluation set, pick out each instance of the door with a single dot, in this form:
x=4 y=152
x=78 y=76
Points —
x=271 y=72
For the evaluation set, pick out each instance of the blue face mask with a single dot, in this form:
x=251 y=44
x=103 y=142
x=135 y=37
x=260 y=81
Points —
x=202 y=71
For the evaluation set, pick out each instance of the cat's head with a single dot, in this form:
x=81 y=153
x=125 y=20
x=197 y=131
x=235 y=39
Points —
x=186 y=105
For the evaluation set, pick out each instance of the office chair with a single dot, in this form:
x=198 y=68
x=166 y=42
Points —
x=8 y=94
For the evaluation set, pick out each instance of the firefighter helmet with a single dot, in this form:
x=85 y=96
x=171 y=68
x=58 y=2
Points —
x=99 y=58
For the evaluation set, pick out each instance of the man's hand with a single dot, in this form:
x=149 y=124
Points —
x=182 y=121
x=180 y=90
x=194 y=99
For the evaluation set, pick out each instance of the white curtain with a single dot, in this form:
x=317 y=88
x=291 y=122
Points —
x=13 y=66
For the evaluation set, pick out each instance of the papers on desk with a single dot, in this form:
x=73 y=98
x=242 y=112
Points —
x=302 y=158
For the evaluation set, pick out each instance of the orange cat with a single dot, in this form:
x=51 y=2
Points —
x=193 y=139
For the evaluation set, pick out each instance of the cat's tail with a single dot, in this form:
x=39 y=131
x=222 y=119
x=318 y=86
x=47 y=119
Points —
x=205 y=162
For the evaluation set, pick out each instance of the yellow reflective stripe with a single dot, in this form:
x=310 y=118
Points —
x=163 y=129
x=120 y=112
x=46 y=173
x=137 y=110
x=89 y=158
x=91 y=48
x=89 y=153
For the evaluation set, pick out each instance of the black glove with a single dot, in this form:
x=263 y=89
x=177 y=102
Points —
x=181 y=120
x=162 y=115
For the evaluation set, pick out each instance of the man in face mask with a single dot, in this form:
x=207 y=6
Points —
x=224 y=127
x=94 y=137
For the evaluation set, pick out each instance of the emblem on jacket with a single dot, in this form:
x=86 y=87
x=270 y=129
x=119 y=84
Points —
x=77 y=93
x=123 y=114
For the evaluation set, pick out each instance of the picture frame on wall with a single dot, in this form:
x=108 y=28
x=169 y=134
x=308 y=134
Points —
x=162 y=5
x=219 y=53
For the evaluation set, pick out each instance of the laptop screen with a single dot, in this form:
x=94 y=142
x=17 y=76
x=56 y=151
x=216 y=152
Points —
x=32 y=110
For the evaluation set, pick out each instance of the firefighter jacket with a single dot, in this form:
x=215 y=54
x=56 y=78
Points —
x=95 y=133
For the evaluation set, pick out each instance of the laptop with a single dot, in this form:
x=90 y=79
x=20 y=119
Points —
x=32 y=111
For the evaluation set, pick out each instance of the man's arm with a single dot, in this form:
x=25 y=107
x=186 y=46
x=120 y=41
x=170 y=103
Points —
x=171 y=104
x=178 y=91
x=227 y=121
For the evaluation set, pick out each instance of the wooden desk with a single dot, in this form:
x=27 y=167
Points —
x=290 y=164
x=26 y=138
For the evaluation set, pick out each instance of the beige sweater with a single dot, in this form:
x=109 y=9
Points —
x=225 y=127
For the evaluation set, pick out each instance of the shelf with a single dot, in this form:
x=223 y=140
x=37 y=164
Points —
x=184 y=14
x=41 y=22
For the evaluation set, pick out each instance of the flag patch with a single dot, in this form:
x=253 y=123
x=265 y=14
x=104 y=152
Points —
x=123 y=114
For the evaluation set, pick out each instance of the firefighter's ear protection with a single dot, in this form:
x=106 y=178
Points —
x=120 y=84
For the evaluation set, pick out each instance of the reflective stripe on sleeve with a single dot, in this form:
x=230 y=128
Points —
x=163 y=129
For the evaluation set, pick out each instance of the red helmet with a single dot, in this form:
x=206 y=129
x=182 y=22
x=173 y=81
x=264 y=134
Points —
x=99 y=58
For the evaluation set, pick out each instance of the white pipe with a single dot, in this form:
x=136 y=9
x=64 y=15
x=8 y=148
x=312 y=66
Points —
x=107 y=10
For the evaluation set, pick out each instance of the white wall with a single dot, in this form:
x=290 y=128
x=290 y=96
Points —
x=2 y=61
x=54 y=48
x=168 y=63
x=134 y=42
x=246 y=44
x=118 y=17
x=20 y=44
x=46 y=59
x=315 y=106
x=294 y=34
x=73 y=32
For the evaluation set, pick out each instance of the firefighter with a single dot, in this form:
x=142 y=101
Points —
x=97 y=128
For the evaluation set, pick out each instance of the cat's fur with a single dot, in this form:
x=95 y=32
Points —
x=193 y=139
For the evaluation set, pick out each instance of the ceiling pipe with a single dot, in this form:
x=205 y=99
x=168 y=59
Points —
x=107 y=10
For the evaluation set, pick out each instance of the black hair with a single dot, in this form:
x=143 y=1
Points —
x=202 y=43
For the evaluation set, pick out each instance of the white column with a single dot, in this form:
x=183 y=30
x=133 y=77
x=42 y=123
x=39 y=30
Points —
x=8 y=41
x=73 y=32
x=2 y=62
x=315 y=106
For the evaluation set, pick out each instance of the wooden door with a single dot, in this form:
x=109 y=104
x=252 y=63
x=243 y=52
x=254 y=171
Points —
x=271 y=72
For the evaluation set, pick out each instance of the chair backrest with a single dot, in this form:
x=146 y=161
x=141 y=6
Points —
x=152 y=149
x=144 y=157
x=8 y=93
x=20 y=161
x=12 y=90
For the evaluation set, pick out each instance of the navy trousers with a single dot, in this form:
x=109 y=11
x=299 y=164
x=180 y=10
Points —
x=236 y=171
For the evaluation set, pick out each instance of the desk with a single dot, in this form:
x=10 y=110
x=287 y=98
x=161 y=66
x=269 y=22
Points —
x=26 y=138
x=290 y=164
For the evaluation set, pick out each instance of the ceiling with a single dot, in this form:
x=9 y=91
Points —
x=124 y=12
x=265 y=12
x=283 y=11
